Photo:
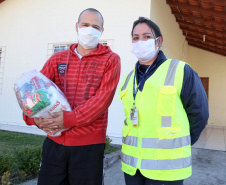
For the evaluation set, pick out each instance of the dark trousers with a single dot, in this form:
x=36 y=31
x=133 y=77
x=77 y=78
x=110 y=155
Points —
x=139 y=179
x=71 y=165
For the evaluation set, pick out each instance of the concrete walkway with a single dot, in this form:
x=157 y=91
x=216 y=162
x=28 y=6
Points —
x=209 y=168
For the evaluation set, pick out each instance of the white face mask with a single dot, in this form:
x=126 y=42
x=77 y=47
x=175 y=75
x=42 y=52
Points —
x=144 y=50
x=88 y=37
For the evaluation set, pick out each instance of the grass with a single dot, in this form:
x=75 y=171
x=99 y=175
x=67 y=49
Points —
x=109 y=148
x=10 y=141
x=20 y=156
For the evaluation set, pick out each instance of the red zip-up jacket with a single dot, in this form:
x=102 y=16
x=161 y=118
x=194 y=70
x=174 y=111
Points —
x=90 y=87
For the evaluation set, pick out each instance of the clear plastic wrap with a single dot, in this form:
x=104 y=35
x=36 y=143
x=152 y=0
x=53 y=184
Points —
x=40 y=97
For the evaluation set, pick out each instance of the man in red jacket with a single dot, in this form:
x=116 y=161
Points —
x=88 y=74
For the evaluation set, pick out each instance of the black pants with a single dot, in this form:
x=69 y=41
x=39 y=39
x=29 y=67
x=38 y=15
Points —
x=74 y=165
x=139 y=179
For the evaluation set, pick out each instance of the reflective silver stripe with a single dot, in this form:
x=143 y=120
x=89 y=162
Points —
x=127 y=80
x=130 y=160
x=171 y=72
x=130 y=140
x=169 y=164
x=166 y=143
x=150 y=142
x=166 y=121
x=125 y=122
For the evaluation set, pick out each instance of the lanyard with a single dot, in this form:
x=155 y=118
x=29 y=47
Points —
x=141 y=81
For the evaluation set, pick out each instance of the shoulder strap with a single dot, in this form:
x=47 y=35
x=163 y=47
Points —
x=127 y=80
x=171 y=72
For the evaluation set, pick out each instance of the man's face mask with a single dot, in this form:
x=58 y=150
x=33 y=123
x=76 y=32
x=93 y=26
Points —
x=144 y=50
x=88 y=37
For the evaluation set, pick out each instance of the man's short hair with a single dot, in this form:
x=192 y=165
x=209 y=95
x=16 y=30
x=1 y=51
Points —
x=92 y=10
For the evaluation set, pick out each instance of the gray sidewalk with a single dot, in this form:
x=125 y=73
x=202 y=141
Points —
x=209 y=168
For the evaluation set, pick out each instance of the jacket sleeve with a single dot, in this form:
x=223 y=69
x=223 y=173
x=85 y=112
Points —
x=195 y=102
x=48 y=71
x=94 y=107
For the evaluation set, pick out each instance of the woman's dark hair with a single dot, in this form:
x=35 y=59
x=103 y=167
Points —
x=151 y=24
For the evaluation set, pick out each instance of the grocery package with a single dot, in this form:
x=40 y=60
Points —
x=40 y=97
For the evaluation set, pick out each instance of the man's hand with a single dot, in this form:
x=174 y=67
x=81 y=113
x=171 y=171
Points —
x=42 y=123
x=51 y=125
x=57 y=123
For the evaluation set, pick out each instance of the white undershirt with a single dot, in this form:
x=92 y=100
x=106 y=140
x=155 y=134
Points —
x=79 y=56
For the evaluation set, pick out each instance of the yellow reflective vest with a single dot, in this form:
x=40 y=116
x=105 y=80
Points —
x=160 y=147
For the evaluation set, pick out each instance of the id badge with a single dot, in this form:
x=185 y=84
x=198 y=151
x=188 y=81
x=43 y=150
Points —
x=134 y=116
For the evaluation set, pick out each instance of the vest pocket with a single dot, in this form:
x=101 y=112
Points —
x=170 y=143
x=125 y=130
x=166 y=100
x=169 y=133
x=122 y=94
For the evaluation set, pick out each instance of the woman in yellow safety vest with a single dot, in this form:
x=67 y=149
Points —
x=166 y=109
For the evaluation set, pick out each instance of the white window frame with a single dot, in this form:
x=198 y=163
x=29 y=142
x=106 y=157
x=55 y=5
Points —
x=2 y=65
x=52 y=46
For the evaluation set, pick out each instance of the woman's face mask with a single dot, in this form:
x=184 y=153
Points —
x=144 y=50
x=88 y=37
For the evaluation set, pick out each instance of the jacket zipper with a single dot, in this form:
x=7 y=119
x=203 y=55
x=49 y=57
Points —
x=77 y=82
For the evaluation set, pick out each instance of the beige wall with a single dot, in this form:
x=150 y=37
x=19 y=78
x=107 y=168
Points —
x=174 y=44
x=208 y=64
x=27 y=26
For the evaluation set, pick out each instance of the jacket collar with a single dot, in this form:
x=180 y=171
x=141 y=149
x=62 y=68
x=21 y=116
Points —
x=161 y=56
